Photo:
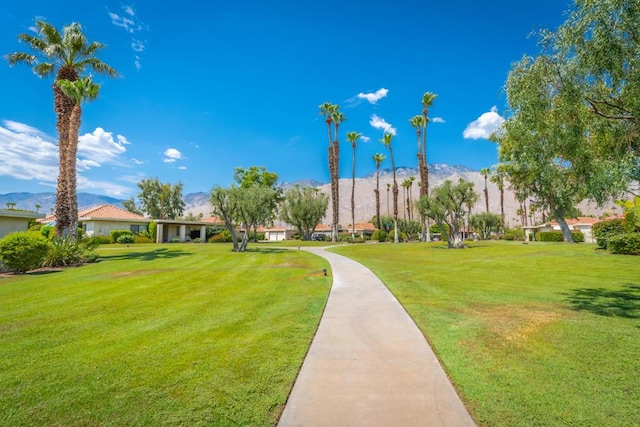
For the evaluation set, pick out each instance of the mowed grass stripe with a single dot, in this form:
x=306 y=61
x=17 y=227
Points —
x=538 y=334
x=172 y=334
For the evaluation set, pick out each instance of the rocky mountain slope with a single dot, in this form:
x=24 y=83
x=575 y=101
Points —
x=198 y=203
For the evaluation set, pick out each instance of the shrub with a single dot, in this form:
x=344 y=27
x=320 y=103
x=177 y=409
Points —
x=63 y=252
x=48 y=231
x=94 y=241
x=549 y=236
x=196 y=240
x=625 y=244
x=153 y=230
x=509 y=236
x=218 y=238
x=604 y=230
x=175 y=240
x=23 y=251
x=142 y=239
x=379 y=235
x=126 y=239
x=578 y=237
x=260 y=236
x=115 y=235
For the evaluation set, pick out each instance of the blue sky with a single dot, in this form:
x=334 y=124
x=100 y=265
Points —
x=207 y=86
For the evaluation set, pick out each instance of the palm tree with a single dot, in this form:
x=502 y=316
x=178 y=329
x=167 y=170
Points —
x=427 y=101
x=329 y=111
x=378 y=158
x=338 y=119
x=386 y=141
x=38 y=206
x=81 y=90
x=486 y=172
x=388 y=187
x=405 y=187
x=411 y=180
x=498 y=179
x=67 y=55
x=353 y=138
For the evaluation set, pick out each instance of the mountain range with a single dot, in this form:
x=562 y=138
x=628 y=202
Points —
x=198 y=203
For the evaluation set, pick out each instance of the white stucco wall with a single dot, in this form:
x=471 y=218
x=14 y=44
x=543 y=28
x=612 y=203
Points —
x=10 y=225
x=104 y=228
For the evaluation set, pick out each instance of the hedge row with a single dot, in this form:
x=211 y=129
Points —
x=557 y=236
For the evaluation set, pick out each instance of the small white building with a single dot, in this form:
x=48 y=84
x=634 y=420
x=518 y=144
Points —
x=12 y=220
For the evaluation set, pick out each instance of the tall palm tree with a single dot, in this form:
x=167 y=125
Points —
x=353 y=138
x=498 y=178
x=405 y=191
x=329 y=111
x=427 y=102
x=387 y=139
x=388 y=188
x=338 y=119
x=418 y=122
x=65 y=55
x=378 y=158
x=80 y=91
x=411 y=180
x=486 y=172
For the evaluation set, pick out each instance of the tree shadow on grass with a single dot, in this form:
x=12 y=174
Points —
x=162 y=253
x=623 y=302
x=266 y=251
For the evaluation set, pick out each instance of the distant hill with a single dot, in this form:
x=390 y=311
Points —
x=198 y=203
x=47 y=201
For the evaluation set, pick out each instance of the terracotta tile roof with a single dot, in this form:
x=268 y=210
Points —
x=582 y=220
x=322 y=227
x=364 y=226
x=109 y=212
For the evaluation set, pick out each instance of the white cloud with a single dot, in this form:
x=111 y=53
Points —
x=438 y=120
x=32 y=155
x=137 y=162
x=134 y=27
x=171 y=155
x=375 y=96
x=182 y=168
x=137 y=45
x=98 y=148
x=484 y=126
x=365 y=138
x=380 y=123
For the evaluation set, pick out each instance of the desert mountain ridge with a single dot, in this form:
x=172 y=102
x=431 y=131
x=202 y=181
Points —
x=198 y=203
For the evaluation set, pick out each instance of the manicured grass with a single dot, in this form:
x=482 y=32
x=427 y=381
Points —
x=180 y=334
x=539 y=334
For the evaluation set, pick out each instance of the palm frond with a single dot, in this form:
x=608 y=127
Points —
x=21 y=57
x=44 y=69
x=97 y=66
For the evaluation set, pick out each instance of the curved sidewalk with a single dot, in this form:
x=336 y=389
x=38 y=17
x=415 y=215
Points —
x=369 y=365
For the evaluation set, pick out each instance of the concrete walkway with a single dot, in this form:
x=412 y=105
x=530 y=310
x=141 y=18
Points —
x=369 y=365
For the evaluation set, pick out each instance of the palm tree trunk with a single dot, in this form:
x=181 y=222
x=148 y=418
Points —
x=353 y=193
x=71 y=176
x=377 y=192
x=395 y=198
x=63 y=107
x=486 y=193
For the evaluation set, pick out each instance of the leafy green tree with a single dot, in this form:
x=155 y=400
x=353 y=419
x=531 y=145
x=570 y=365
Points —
x=304 y=207
x=446 y=206
x=378 y=159
x=224 y=204
x=387 y=140
x=485 y=223
x=130 y=205
x=67 y=55
x=353 y=138
x=259 y=175
x=160 y=200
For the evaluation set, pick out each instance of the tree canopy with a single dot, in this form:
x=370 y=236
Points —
x=304 y=207
x=160 y=200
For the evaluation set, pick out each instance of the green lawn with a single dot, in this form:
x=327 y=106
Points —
x=180 y=334
x=538 y=334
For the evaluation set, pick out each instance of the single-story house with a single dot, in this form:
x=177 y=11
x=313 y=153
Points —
x=583 y=224
x=174 y=229
x=362 y=229
x=12 y=220
x=102 y=219
x=324 y=230
x=278 y=234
